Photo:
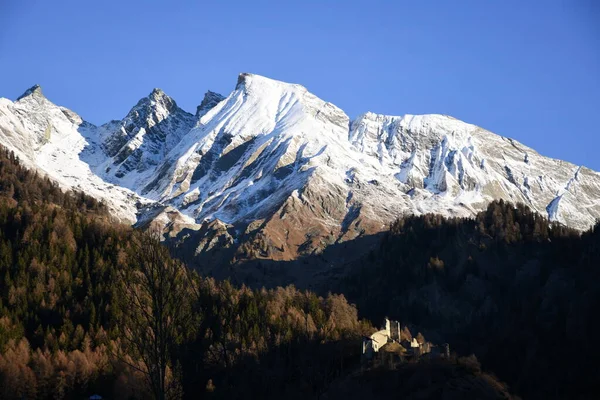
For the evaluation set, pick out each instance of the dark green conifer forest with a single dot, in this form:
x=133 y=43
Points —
x=90 y=306
x=521 y=293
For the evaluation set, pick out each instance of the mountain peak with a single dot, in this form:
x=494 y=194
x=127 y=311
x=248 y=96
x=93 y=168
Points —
x=242 y=78
x=35 y=90
x=157 y=93
x=210 y=100
x=247 y=79
x=156 y=101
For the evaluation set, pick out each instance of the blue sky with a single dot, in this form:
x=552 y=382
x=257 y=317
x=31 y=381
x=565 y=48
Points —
x=529 y=70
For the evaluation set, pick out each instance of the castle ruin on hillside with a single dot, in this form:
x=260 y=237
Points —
x=391 y=339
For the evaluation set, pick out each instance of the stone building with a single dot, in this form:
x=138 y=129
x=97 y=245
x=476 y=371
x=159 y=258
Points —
x=390 y=333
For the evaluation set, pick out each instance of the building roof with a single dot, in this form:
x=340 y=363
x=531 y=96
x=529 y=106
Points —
x=380 y=337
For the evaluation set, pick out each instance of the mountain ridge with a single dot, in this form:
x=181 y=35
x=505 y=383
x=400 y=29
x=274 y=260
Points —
x=287 y=169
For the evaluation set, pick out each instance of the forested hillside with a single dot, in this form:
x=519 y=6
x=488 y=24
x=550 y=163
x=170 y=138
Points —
x=63 y=305
x=91 y=306
x=519 y=292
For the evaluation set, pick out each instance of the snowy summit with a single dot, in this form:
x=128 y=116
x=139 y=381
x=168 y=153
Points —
x=273 y=158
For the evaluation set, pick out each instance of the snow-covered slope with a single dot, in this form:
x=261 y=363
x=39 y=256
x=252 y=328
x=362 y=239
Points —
x=452 y=162
x=272 y=161
x=51 y=138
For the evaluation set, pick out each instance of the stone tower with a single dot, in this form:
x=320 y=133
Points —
x=395 y=330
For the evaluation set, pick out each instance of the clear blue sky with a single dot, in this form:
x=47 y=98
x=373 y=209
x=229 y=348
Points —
x=524 y=69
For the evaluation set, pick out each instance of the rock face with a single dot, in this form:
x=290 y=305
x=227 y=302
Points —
x=127 y=152
x=442 y=159
x=210 y=100
x=272 y=171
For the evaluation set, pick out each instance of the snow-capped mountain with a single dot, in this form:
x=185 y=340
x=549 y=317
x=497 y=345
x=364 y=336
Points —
x=274 y=163
x=52 y=139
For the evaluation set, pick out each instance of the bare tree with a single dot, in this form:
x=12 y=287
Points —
x=154 y=298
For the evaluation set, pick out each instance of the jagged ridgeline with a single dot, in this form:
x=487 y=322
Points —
x=518 y=291
x=275 y=172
